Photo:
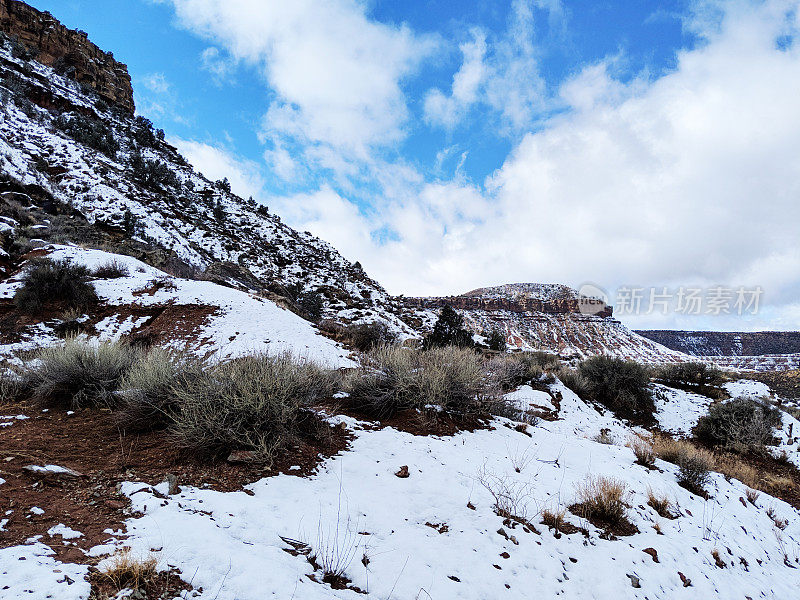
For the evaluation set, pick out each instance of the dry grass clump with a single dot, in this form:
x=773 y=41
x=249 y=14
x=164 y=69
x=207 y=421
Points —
x=125 y=571
x=509 y=371
x=554 y=519
x=779 y=522
x=604 y=437
x=776 y=483
x=10 y=385
x=733 y=467
x=660 y=503
x=113 y=269
x=256 y=403
x=603 y=499
x=694 y=464
x=393 y=378
x=76 y=374
x=669 y=449
x=752 y=495
x=643 y=450
x=573 y=380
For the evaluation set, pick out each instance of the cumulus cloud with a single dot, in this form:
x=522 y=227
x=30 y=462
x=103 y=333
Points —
x=690 y=179
x=501 y=74
x=336 y=73
x=449 y=110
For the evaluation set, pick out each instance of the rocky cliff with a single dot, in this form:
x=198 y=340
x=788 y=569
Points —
x=39 y=35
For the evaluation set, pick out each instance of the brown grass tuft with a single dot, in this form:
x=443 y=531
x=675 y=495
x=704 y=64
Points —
x=603 y=499
x=660 y=503
x=126 y=571
x=643 y=450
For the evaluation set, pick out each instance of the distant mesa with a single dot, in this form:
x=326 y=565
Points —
x=550 y=298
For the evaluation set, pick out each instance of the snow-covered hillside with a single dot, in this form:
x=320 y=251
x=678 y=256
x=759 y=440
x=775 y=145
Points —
x=129 y=183
x=436 y=533
x=201 y=317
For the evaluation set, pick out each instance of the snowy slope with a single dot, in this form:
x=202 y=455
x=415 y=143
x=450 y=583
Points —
x=212 y=321
x=571 y=334
x=436 y=535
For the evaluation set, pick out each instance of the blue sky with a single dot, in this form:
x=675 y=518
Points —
x=450 y=145
x=198 y=104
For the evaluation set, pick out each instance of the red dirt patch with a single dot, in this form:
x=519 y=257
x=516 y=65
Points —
x=90 y=442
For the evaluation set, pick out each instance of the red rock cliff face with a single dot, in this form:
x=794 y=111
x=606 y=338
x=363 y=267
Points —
x=68 y=50
x=520 y=305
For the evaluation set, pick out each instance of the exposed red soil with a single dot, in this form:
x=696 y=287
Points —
x=90 y=443
x=163 y=321
x=424 y=423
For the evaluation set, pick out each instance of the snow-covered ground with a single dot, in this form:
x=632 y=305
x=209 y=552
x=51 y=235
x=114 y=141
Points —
x=240 y=323
x=435 y=534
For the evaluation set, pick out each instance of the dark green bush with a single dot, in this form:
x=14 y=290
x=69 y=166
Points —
x=621 y=385
x=46 y=280
x=694 y=470
x=496 y=340
x=449 y=331
x=312 y=304
x=691 y=374
x=90 y=132
x=152 y=174
x=366 y=336
x=740 y=424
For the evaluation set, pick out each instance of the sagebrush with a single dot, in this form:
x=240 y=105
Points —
x=256 y=403
x=393 y=378
x=61 y=280
x=621 y=385
x=77 y=374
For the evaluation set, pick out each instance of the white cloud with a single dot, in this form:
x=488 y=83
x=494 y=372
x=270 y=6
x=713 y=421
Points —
x=220 y=66
x=328 y=216
x=216 y=162
x=156 y=83
x=335 y=72
x=502 y=73
x=449 y=110
x=689 y=179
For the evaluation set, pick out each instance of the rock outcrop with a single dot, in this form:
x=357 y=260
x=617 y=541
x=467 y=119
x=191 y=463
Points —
x=520 y=298
x=68 y=51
